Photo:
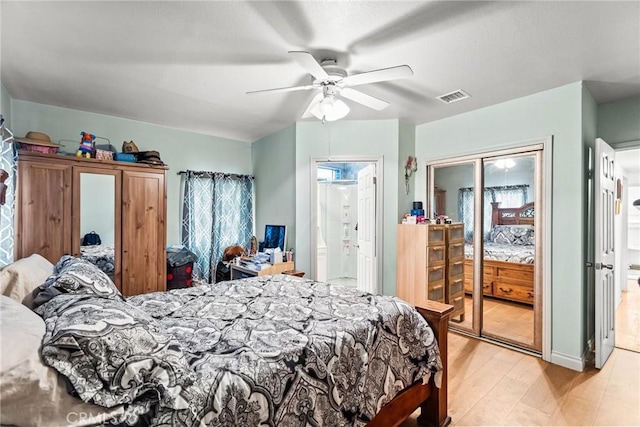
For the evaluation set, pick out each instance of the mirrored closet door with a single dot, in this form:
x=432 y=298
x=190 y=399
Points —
x=496 y=196
x=99 y=211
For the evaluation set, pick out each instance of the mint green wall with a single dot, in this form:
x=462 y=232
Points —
x=348 y=138
x=554 y=112
x=5 y=105
x=406 y=148
x=619 y=121
x=179 y=149
x=274 y=169
x=589 y=133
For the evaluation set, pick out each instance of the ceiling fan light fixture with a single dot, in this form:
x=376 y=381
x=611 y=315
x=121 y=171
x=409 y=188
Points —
x=330 y=109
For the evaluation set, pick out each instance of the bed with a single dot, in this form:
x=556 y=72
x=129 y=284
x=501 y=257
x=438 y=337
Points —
x=509 y=255
x=269 y=350
x=102 y=256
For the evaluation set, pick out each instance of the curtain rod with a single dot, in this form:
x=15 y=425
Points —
x=500 y=187
x=213 y=173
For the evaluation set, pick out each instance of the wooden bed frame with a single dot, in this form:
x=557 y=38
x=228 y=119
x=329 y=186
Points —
x=506 y=280
x=431 y=400
x=524 y=215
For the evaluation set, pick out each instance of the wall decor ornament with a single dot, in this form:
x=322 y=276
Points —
x=410 y=166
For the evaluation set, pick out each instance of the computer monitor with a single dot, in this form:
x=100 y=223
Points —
x=275 y=236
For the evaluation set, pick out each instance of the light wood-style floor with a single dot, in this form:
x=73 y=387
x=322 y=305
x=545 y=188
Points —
x=490 y=385
x=503 y=318
x=628 y=318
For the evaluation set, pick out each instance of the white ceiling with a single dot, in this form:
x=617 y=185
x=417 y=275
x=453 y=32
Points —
x=188 y=65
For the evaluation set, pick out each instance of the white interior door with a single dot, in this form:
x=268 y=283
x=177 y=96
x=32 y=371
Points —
x=604 y=251
x=367 y=265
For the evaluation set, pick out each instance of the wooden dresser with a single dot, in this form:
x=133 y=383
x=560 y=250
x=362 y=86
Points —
x=501 y=279
x=454 y=280
x=430 y=264
x=48 y=215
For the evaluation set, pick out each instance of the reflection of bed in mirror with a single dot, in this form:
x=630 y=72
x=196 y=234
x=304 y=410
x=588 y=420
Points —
x=508 y=255
x=102 y=256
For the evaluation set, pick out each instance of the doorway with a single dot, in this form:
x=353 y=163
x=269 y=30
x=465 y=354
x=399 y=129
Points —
x=347 y=206
x=499 y=197
x=627 y=248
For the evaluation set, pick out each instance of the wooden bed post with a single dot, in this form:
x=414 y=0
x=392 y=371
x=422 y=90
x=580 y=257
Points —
x=434 y=409
x=495 y=213
x=431 y=400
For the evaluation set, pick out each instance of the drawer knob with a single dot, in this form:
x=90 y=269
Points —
x=530 y=294
x=506 y=291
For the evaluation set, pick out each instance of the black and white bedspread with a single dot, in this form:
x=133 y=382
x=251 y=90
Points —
x=264 y=351
x=523 y=254
x=102 y=256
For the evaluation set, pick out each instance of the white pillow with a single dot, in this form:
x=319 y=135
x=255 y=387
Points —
x=19 y=279
x=32 y=393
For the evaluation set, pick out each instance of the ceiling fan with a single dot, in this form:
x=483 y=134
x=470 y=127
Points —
x=335 y=82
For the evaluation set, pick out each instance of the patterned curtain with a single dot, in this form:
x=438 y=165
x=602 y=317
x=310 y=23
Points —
x=7 y=211
x=509 y=196
x=217 y=212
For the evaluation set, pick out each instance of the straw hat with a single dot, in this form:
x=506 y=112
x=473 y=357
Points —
x=37 y=138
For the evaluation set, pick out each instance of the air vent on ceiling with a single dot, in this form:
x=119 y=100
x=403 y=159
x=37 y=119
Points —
x=456 y=95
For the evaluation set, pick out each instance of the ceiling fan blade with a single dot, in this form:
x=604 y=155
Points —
x=284 y=89
x=313 y=103
x=364 y=99
x=382 y=75
x=309 y=63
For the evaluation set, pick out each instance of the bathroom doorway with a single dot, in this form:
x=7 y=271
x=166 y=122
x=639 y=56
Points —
x=627 y=247
x=346 y=206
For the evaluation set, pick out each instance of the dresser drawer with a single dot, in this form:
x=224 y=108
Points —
x=513 y=292
x=436 y=234
x=456 y=250
x=436 y=255
x=435 y=291
x=455 y=268
x=455 y=232
x=487 y=288
x=435 y=273
x=456 y=285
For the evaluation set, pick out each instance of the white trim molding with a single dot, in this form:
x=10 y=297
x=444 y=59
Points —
x=571 y=362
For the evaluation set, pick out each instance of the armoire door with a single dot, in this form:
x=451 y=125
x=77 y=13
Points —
x=143 y=232
x=43 y=217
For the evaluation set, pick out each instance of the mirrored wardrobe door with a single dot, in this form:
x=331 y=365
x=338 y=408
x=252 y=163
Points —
x=452 y=195
x=97 y=219
x=509 y=195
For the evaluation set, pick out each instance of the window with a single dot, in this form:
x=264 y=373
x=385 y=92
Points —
x=328 y=174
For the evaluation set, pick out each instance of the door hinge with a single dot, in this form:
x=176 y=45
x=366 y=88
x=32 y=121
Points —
x=375 y=180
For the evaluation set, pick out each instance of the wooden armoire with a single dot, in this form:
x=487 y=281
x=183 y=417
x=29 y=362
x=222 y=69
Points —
x=48 y=213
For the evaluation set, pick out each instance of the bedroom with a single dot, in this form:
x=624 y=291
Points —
x=565 y=109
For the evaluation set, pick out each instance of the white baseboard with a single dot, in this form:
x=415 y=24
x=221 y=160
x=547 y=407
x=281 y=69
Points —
x=571 y=362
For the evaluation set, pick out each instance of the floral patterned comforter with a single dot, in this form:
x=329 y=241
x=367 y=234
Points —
x=102 y=256
x=523 y=254
x=270 y=350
